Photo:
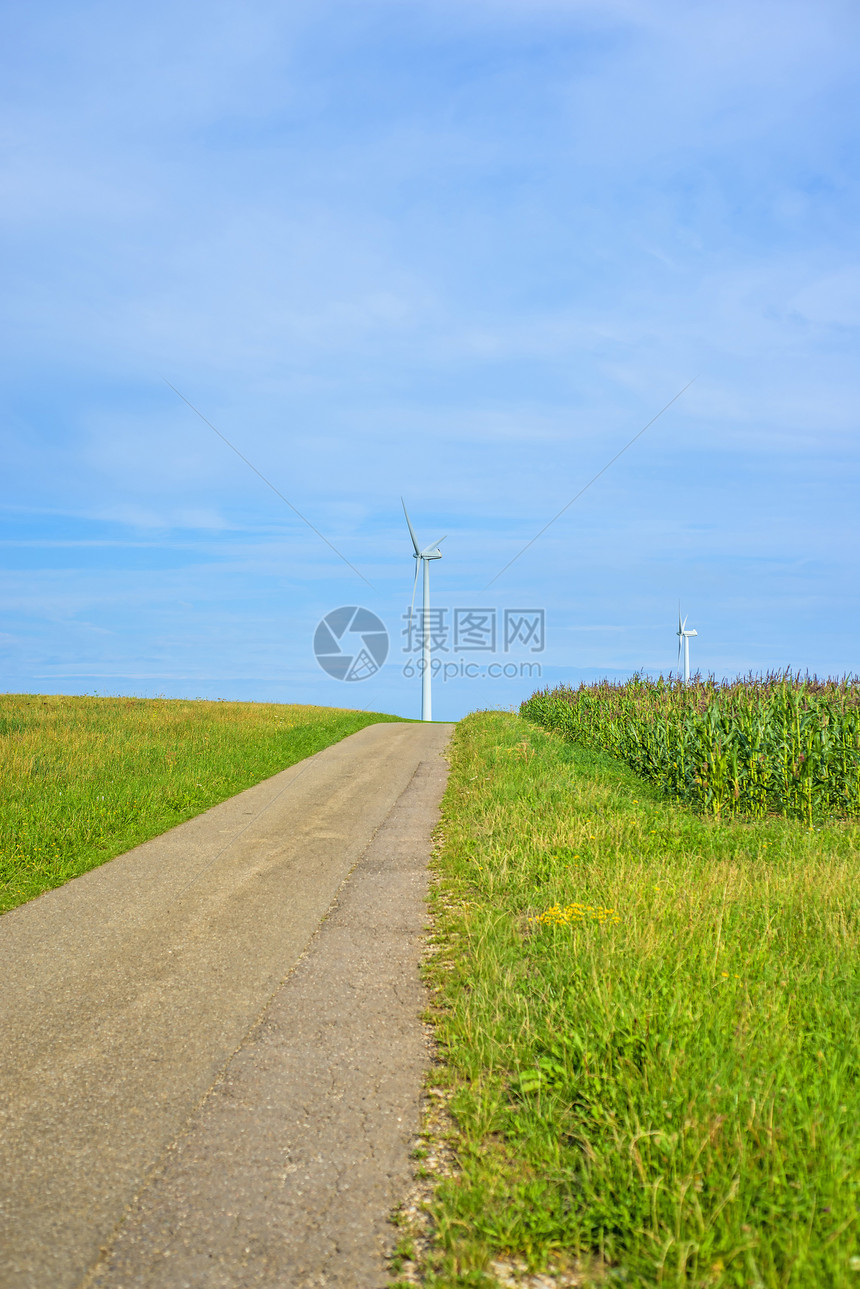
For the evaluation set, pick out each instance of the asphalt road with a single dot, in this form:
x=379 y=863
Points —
x=210 y=1048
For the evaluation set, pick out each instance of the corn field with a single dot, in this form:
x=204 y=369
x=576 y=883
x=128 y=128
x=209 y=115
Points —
x=776 y=744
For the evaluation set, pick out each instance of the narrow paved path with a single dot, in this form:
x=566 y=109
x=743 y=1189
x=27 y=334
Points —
x=205 y=1081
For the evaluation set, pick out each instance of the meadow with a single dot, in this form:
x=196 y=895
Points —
x=768 y=744
x=83 y=779
x=647 y=1025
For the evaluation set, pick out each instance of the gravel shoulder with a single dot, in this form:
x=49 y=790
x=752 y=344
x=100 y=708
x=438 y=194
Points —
x=211 y=1050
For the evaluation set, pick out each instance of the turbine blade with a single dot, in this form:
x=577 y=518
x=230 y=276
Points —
x=414 y=585
x=433 y=546
x=411 y=529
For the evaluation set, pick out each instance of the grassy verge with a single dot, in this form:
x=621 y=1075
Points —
x=649 y=1025
x=84 y=779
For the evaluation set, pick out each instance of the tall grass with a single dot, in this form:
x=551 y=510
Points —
x=773 y=744
x=83 y=779
x=648 y=1022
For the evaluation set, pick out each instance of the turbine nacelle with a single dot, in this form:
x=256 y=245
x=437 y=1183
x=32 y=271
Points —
x=430 y=552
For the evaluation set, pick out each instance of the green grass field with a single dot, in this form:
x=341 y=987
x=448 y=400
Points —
x=650 y=1025
x=83 y=779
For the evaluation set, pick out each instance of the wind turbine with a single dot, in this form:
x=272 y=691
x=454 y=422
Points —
x=423 y=556
x=684 y=641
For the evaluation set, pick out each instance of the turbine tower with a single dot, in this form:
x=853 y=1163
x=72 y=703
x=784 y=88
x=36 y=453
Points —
x=423 y=557
x=684 y=642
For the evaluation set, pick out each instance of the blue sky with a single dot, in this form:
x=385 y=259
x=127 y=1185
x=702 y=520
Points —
x=459 y=252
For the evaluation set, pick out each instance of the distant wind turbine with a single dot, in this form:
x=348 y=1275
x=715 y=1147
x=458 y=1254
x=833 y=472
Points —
x=423 y=556
x=684 y=642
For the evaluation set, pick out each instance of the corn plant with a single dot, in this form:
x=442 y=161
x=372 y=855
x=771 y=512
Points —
x=775 y=744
